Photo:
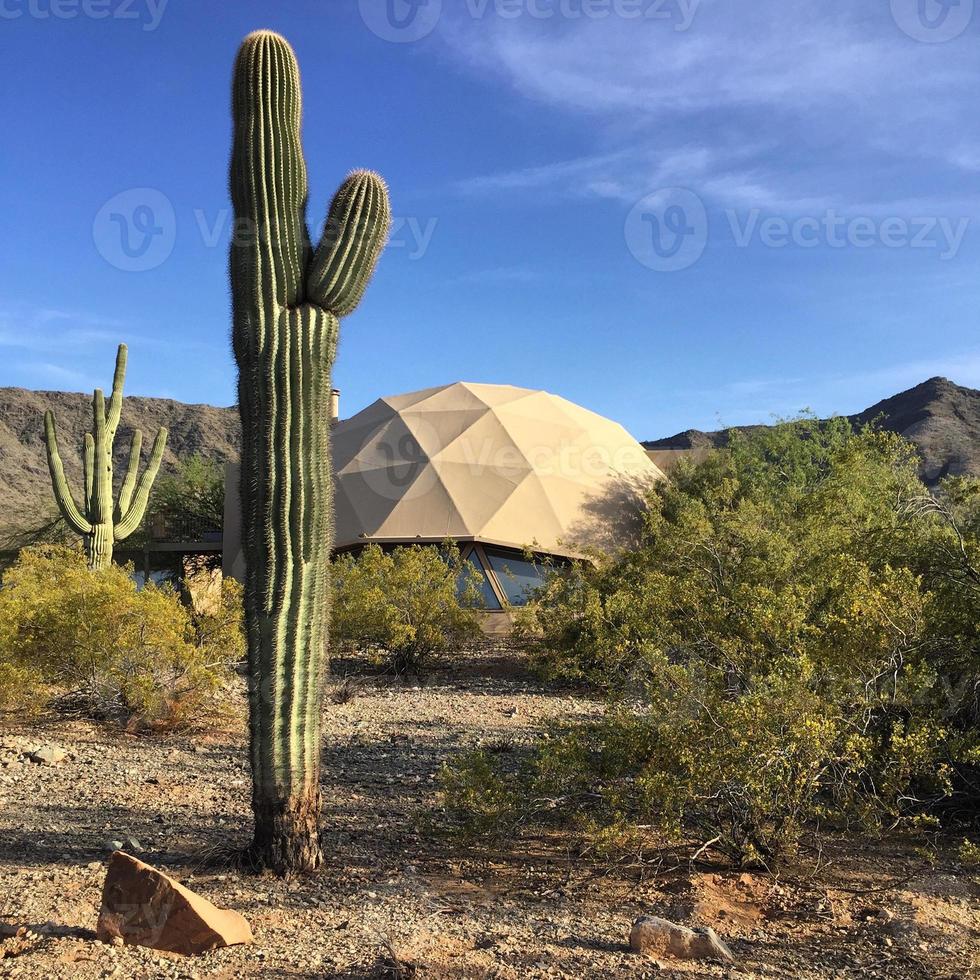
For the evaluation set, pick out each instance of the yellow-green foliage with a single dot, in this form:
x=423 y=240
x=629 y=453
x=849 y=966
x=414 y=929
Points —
x=796 y=639
x=137 y=656
x=969 y=853
x=405 y=604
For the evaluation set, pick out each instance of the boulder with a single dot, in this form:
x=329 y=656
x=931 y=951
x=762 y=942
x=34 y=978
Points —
x=48 y=755
x=144 y=907
x=659 y=938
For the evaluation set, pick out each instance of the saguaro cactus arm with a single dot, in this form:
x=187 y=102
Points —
x=269 y=191
x=59 y=482
x=132 y=472
x=355 y=233
x=100 y=507
x=134 y=511
x=115 y=402
x=88 y=469
x=268 y=173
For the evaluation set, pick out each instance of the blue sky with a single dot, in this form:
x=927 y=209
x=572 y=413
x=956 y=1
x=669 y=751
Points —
x=676 y=213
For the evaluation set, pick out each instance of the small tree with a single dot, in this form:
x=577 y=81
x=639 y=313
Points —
x=406 y=604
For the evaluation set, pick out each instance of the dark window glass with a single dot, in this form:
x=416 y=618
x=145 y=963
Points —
x=482 y=582
x=516 y=576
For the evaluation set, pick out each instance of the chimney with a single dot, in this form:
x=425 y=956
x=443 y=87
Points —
x=334 y=406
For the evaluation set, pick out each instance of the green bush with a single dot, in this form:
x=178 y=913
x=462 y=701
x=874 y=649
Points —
x=795 y=641
x=136 y=656
x=406 y=604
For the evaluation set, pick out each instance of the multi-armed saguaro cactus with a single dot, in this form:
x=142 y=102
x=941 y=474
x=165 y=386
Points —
x=287 y=297
x=99 y=523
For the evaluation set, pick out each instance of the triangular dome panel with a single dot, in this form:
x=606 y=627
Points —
x=487 y=462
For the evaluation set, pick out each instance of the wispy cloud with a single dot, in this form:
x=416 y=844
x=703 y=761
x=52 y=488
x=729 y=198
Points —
x=754 y=400
x=849 y=104
x=44 y=373
x=55 y=331
x=59 y=348
x=500 y=274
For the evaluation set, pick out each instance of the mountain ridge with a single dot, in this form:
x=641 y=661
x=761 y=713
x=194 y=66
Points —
x=939 y=416
x=26 y=499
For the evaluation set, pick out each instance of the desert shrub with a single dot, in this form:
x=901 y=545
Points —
x=780 y=650
x=220 y=628
x=969 y=853
x=404 y=605
x=136 y=656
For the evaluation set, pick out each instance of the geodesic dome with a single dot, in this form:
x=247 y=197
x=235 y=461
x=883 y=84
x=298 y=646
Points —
x=490 y=463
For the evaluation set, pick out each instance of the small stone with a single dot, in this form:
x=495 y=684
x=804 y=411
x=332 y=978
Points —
x=657 y=937
x=115 y=845
x=48 y=755
x=134 y=845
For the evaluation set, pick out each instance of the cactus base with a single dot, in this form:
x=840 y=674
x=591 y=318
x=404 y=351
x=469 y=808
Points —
x=98 y=546
x=287 y=836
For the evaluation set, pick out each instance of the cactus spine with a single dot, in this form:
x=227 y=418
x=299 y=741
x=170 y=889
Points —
x=99 y=522
x=287 y=297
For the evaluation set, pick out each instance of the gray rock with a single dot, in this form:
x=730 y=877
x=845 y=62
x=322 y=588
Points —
x=48 y=755
x=657 y=937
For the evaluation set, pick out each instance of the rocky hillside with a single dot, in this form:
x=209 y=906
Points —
x=940 y=417
x=25 y=491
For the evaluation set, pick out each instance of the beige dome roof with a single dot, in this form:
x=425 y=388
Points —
x=492 y=463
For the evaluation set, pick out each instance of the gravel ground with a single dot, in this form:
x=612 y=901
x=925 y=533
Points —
x=396 y=901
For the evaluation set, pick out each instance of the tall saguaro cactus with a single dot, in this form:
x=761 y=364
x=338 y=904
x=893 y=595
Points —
x=99 y=522
x=287 y=298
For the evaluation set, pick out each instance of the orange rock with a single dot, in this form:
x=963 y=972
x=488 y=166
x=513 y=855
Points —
x=145 y=907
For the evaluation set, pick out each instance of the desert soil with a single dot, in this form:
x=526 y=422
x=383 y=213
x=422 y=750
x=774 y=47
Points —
x=398 y=900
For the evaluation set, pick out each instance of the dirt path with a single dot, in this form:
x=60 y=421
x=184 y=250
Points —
x=443 y=910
